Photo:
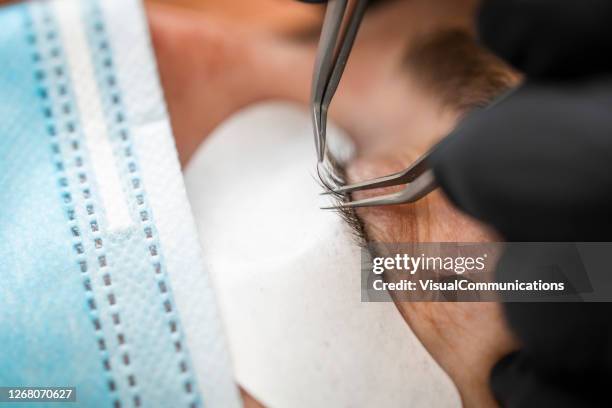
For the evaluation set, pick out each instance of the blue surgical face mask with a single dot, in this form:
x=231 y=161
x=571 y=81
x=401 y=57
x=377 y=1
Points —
x=102 y=286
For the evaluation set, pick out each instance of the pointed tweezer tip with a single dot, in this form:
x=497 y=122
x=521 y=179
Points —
x=336 y=207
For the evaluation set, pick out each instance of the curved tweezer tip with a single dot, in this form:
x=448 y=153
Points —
x=405 y=176
x=419 y=188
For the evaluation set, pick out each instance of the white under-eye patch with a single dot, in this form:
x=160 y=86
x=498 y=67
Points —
x=287 y=276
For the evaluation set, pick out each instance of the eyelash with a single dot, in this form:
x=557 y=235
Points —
x=333 y=176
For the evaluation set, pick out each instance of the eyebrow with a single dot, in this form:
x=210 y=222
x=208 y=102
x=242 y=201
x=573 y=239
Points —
x=451 y=65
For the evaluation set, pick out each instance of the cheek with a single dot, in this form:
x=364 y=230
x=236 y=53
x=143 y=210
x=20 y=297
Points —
x=389 y=224
x=431 y=219
x=446 y=223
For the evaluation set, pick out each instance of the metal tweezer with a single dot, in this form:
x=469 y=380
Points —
x=340 y=26
x=419 y=180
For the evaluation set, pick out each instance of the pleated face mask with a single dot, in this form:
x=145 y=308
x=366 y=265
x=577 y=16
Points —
x=289 y=275
x=102 y=286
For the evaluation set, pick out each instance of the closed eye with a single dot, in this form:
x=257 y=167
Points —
x=333 y=175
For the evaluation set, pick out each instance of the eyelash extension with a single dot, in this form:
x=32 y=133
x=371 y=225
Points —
x=332 y=174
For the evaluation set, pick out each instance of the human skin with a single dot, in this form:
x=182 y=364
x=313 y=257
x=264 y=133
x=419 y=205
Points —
x=466 y=339
x=210 y=69
x=223 y=67
x=393 y=120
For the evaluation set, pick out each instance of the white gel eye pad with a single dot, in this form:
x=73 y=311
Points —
x=287 y=276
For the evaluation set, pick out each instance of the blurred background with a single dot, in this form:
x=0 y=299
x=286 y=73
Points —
x=288 y=17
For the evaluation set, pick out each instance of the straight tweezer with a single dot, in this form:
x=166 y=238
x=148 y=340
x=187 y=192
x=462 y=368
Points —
x=340 y=26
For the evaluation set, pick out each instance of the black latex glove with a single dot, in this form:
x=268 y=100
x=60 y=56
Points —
x=549 y=38
x=537 y=166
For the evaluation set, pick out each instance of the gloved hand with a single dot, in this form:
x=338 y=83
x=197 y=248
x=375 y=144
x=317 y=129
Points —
x=549 y=39
x=536 y=166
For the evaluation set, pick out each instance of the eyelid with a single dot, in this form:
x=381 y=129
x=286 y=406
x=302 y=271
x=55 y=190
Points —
x=334 y=172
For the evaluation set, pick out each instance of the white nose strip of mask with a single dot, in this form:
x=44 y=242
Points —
x=288 y=276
